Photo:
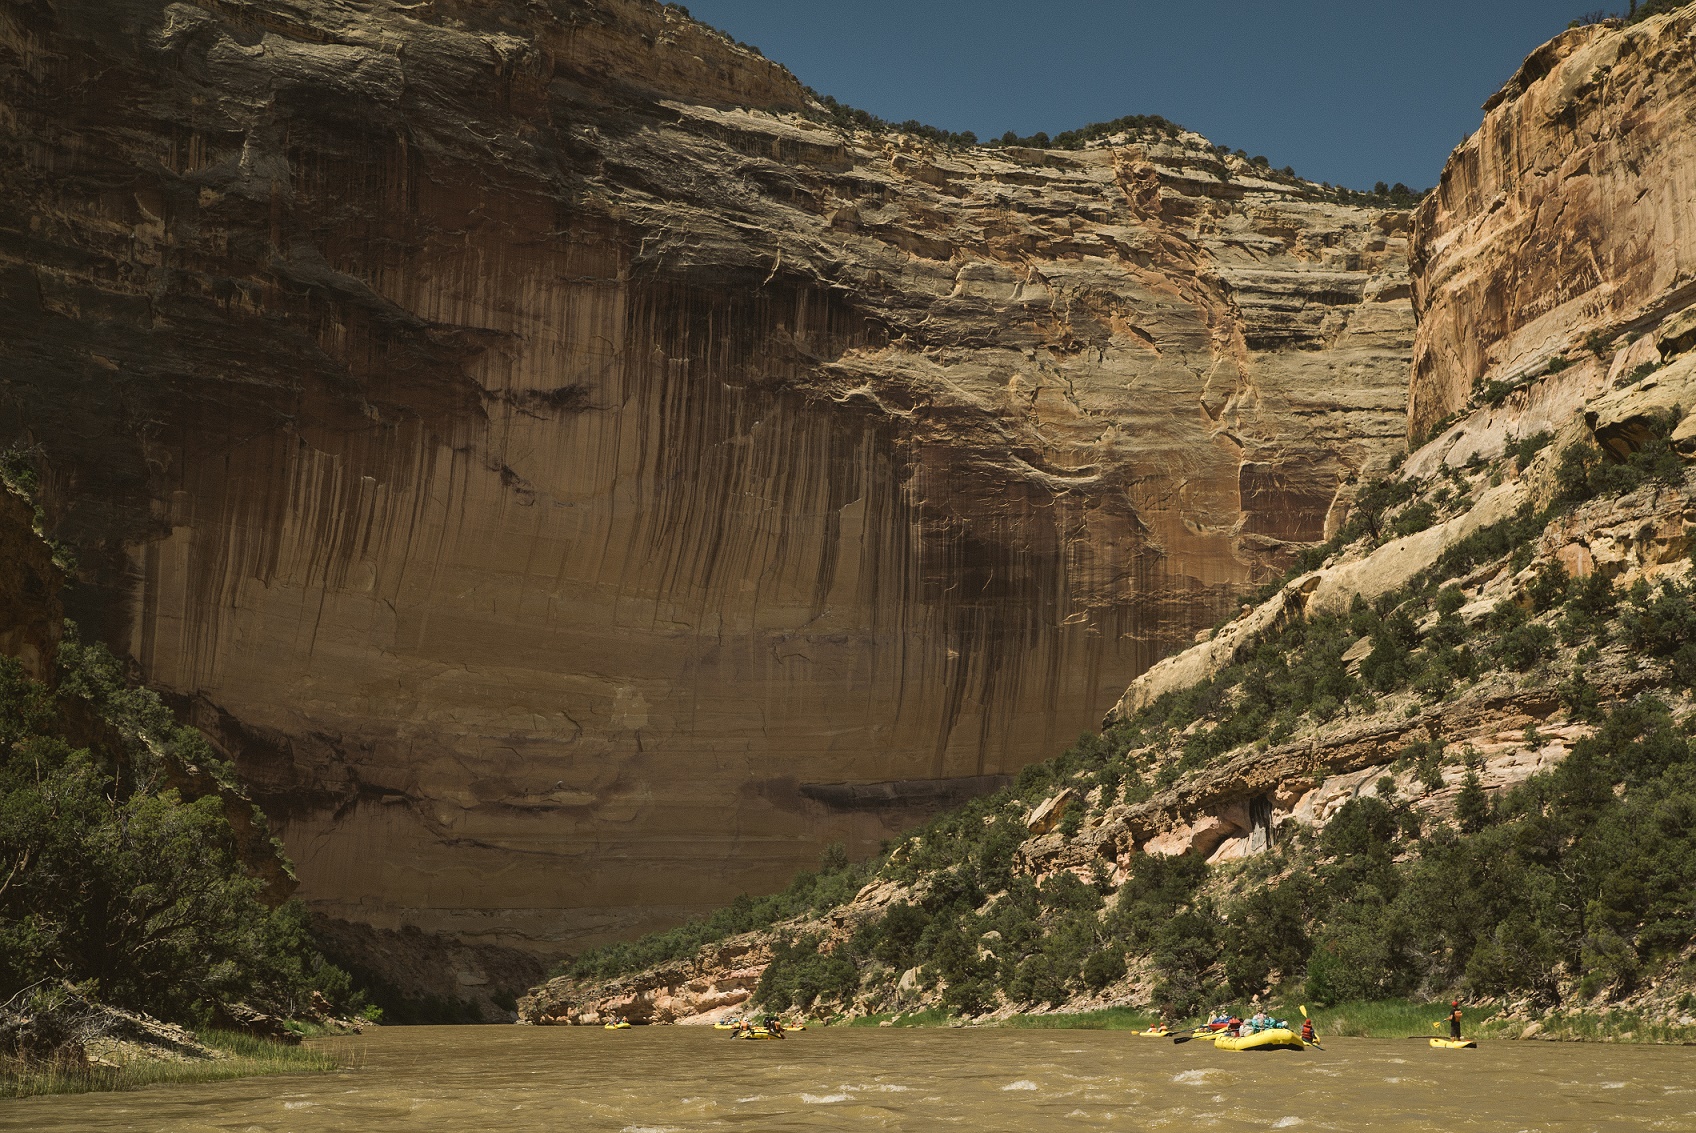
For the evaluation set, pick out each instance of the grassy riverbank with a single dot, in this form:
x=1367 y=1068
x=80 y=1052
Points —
x=244 y=1057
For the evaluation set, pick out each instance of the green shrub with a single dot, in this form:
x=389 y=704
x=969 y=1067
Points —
x=1525 y=448
x=1495 y=392
x=1390 y=665
x=1472 y=807
x=1524 y=647
x=1102 y=968
x=1413 y=519
x=114 y=877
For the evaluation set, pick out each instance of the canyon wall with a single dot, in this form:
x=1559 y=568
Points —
x=1563 y=226
x=575 y=485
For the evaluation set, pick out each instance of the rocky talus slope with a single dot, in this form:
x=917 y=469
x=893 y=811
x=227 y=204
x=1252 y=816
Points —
x=1484 y=681
x=574 y=482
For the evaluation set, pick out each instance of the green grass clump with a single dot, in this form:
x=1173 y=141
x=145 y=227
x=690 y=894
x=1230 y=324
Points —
x=248 y=1057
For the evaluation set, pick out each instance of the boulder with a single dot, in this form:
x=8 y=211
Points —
x=1049 y=812
x=1202 y=834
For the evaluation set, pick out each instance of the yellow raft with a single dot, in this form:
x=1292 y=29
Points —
x=726 y=1026
x=1453 y=1044
x=760 y=1033
x=1277 y=1038
x=618 y=1026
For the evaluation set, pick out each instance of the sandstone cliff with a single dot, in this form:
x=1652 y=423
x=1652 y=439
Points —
x=1523 y=593
x=1563 y=227
x=574 y=485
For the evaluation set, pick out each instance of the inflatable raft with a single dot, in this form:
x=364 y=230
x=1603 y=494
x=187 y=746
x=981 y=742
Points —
x=618 y=1026
x=1453 y=1044
x=1277 y=1038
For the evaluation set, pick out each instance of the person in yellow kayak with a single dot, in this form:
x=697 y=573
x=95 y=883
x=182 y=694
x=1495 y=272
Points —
x=1454 y=1019
x=1307 y=1035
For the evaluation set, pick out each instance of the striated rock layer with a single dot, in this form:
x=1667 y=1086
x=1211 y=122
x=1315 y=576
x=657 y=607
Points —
x=1562 y=226
x=575 y=486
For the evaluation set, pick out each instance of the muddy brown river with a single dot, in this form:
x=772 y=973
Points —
x=649 y=1079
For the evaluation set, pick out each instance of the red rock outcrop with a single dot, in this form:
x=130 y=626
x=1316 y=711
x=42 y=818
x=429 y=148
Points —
x=575 y=486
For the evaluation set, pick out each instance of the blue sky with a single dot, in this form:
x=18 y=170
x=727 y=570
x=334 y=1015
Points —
x=1350 y=93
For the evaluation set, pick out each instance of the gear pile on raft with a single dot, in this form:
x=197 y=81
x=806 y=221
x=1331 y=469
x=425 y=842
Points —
x=1258 y=1032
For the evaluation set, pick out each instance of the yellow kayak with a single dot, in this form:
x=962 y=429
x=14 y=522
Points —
x=1453 y=1044
x=1154 y=1032
x=725 y=1026
x=618 y=1026
x=1278 y=1038
x=761 y=1033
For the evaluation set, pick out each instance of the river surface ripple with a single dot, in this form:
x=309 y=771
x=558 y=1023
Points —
x=424 y=1079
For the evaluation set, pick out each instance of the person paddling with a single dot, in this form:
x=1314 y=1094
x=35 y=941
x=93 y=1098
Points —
x=1307 y=1035
x=1454 y=1019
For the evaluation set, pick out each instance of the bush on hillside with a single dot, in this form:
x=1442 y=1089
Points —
x=113 y=879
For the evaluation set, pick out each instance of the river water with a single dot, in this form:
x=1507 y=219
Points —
x=648 y=1079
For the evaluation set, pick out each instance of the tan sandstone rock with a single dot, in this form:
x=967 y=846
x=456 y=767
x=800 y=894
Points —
x=575 y=486
x=1564 y=219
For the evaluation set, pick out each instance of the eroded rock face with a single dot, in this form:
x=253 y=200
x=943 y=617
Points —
x=1565 y=219
x=31 y=620
x=562 y=476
